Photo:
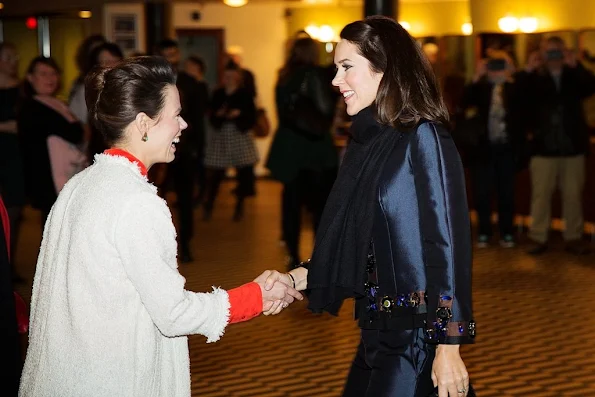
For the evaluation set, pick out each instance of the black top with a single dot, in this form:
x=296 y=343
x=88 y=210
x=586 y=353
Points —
x=556 y=112
x=11 y=166
x=240 y=99
x=36 y=123
x=249 y=82
x=478 y=98
x=402 y=193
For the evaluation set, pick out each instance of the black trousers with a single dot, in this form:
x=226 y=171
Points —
x=183 y=175
x=309 y=190
x=246 y=183
x=14 y=214
x=391 y=364
x=499 y=171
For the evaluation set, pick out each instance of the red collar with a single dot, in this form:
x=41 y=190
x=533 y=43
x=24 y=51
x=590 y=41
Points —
x=130 y=157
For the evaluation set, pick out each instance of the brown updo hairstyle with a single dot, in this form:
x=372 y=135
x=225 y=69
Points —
x=408 y=91
x=115 y=96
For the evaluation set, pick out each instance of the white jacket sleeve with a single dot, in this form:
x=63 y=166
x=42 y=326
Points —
x=145 y=238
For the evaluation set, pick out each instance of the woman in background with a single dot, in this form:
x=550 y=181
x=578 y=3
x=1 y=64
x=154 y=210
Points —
x=12 y=179
x=233 y=114
x=305 y=164
x=104 y=55
x=41 y=118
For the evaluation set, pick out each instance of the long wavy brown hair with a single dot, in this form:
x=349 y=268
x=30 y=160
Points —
x=408 y=91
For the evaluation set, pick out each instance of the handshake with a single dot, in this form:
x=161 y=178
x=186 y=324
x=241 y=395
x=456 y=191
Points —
x=278 y=291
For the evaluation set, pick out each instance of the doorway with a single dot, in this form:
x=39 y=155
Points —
x=207 y=44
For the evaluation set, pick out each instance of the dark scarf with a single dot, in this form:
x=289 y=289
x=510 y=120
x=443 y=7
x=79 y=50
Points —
x=338 y=266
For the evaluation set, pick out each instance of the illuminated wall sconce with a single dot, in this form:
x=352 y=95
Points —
x=528 y=24
x=324 y=33
x=85 y=14
x=467 y=28
x=508 y=24
x=235 y=3
x=405 y=25
x=312 y=30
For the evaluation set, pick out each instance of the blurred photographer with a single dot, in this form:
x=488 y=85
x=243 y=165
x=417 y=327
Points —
x=491 y=119
x=555 y=85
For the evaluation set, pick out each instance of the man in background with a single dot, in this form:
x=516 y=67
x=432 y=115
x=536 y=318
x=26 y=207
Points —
x=556 y=85
x=195 y=68
x=182 y=170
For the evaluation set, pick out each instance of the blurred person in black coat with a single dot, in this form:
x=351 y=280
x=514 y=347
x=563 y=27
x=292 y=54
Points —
x=195 y=68
x=182 y=170
x=493 y=98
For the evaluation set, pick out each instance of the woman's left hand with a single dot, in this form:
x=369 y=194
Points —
x=449 y=372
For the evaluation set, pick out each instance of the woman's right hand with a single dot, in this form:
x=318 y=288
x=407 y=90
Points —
x=276 y=295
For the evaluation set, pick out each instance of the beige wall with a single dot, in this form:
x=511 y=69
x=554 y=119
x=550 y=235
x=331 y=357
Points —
x=260 y=30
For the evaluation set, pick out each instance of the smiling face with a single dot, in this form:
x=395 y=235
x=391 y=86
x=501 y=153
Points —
x=356 y=81
x=166 y=130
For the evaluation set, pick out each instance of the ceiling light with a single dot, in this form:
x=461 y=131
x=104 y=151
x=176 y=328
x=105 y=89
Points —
x=326 y=34
x=467 y=28
x=528 y=24
x=508 y=24
x=235 y=3
x=313 y=31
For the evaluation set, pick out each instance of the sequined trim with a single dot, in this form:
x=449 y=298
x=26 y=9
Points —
x=438 y=332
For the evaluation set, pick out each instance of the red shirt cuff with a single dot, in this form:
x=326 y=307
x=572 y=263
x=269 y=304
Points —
x=245 y=302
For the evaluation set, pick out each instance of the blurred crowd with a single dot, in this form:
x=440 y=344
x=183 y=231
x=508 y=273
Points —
x=505 y=120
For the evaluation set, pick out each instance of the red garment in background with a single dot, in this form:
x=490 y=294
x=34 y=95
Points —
x=5 y=225
x=20 y=305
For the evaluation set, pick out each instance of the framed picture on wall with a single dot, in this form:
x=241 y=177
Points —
x=124 y=28
x=124 y=25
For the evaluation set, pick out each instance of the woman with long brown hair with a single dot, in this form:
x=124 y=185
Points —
x=395 y=233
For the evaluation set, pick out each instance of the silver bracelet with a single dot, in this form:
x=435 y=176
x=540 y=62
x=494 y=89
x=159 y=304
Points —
x=292 y=279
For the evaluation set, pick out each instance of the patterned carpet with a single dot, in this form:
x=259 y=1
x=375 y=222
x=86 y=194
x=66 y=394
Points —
x=533 y=316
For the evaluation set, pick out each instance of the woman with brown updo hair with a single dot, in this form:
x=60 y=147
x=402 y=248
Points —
x=109 y=311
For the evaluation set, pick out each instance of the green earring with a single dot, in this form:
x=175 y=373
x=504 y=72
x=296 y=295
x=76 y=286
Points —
x=145 y=137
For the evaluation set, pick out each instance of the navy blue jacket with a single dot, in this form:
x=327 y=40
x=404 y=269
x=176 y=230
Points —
x=422 y=237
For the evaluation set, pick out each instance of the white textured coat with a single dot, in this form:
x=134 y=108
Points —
x=109 y=310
